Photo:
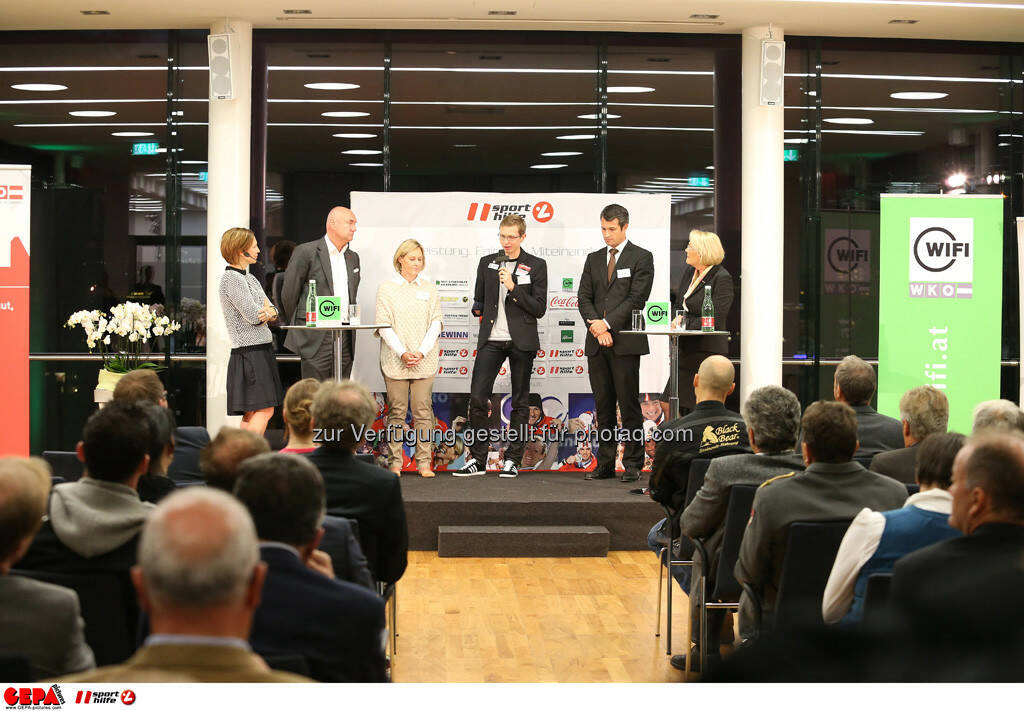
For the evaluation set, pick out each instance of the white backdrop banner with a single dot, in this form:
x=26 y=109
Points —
x=457 y=229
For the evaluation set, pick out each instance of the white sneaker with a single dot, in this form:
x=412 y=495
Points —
x=508 y=470
x=471 y=468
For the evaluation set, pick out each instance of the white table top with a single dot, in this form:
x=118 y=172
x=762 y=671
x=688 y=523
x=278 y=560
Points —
x=666 y=331
x=341 y=327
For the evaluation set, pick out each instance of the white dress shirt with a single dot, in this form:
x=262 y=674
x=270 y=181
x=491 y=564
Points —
x=429 y=338
x=860 y=543
x=499 y=332
x=339 y=274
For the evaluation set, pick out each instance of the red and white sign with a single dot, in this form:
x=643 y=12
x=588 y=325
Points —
x=543 y=212
x=568 y=302
x=15 y=193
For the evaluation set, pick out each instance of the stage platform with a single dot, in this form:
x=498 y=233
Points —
x=531 y=499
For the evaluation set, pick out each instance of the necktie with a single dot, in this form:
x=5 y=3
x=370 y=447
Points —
x=611 y=264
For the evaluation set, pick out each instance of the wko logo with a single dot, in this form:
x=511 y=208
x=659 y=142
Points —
x=34 y=697
x=541 y=211
x=941 y=258
x=12 y=192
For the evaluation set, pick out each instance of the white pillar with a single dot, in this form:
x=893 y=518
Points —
x=761 y=268
x=227 y=206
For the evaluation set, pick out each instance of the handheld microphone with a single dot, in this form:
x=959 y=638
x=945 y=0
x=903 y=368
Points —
x=501 y=258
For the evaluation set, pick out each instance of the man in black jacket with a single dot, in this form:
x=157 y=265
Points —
x=510 y=295
x=616 y=280
x=854 y=384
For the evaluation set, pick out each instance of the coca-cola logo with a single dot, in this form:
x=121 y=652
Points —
x=570 y=301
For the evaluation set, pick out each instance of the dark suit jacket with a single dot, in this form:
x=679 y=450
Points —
x=615 y=302
x=341 y=543
x=897 y=463
x=373 y=497
x=188 y=441
x=337 y=626
x=48 y=552
x=523 y=305
x=694 y=350
x=876 y=433
x=311 y=260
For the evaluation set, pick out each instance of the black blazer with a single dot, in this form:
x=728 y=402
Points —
x=721 y=294
x=524 y=304
x=347 y=559
x=900 y=464
x=373 y=497
x=876 y=433
x=188 y=442
x=337 y=626
x=616 y=301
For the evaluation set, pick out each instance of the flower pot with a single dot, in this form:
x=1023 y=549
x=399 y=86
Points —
x=105 y=384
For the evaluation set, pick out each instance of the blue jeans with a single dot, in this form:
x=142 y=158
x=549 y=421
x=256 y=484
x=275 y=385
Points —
x=656 y=542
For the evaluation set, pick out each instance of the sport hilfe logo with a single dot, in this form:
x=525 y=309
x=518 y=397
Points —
x=541 y=211
x=12 y=192
x=126 y=697
x=941 y=263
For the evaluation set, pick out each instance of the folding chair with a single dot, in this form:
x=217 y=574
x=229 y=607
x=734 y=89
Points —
x=64 y=464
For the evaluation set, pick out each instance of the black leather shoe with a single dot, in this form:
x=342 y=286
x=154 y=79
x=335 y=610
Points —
x=678 y=661
x=630 y=476
x=599 y=474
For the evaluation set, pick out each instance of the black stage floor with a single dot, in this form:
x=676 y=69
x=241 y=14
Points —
x=531 y=499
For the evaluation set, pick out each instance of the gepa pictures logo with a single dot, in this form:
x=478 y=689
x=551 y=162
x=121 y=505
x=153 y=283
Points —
x=941 y=257
x=33 y=697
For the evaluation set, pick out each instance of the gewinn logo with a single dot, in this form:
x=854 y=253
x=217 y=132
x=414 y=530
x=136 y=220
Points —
x=941 y=257
x=454 y=335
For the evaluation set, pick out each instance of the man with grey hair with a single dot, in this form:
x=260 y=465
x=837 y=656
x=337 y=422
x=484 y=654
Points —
x=854 y=384
x=199 y=577
x=342 y=413
x=772 y=415
x=997 y=416
x=924 y=411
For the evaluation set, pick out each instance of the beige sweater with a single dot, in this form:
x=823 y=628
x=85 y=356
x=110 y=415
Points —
x=410 y=308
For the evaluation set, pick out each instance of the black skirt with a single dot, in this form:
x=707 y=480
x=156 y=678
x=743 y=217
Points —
x=253 y=382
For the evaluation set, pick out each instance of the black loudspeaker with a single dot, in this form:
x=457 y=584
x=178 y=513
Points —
x=222 y=83
x=773 y=72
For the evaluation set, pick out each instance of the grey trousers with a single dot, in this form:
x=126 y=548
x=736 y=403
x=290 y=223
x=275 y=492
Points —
x=321 y=365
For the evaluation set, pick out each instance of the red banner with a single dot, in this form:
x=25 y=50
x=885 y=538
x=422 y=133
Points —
x=15 y=191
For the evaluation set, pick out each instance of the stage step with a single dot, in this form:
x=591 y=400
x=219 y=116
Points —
x=522 y=541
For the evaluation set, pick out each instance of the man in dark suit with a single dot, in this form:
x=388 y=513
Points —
x=965 y=593
x=335 y=268
x=616 y=280
x=924 y=411
x=832 y=487
x=510 y=295
x=854 y=384
x=342 y=414
x=336 y=626
x=772 y=416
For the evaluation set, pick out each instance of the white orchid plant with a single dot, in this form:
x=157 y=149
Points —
x=119 y=334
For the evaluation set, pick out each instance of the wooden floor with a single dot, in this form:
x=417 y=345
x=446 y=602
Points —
x=533 y=620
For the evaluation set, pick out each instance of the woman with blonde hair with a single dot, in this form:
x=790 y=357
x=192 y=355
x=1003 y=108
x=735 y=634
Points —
x=298 y=422
x=411 y=307
x=254 y=386
x=704 y=255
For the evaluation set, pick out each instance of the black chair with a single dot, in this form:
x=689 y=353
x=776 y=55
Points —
x=294 y=663
x=64 y=464
x=725 y=594
x=389 y=593
x=14 y=669
x=109 y=608
x=912 y=489
x=811 y=548
x=876 y=598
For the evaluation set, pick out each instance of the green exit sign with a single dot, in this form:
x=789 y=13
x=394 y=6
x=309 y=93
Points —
x=700 y=182
x=145 y=149
x=790 y=155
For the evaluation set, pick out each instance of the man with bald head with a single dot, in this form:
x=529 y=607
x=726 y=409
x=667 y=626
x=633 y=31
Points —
x=335 y=268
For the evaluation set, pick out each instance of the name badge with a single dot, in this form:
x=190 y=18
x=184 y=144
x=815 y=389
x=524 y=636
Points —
x=494 y=265
x=524 y=278
x=422 y=295
x=620 y=273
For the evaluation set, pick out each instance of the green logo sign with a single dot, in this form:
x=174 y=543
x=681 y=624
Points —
x=790 y=155
x=656 y=313
x=145 y=149
x=567 y=336
x=567 y=284
x=328 y=309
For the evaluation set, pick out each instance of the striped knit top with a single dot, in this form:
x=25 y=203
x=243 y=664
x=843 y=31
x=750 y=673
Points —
x=241 y=298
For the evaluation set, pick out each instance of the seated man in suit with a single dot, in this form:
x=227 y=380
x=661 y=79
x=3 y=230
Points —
x=964 y=593
x=832 y=487
x=854 y=384
x=924 y=411
x=220 y=459
x=41 y=622
x=997 y=416
x=94 y=523
x=772 y=415
x=146 y=385
x=342 y=415
x=336 y=626
x=199 y=578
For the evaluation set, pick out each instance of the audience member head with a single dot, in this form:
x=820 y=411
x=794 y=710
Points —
x=115 y=443
x=199 y=569
x=161 y=437
x=772 y=415
x=924 y=411
x=988 y=482
x=830 y=432
x=24 y=486
x=934 y=468
x=296 y=410
x=715 y=379
x=997 y=416
x=281 y=254
x=141 y=385
x=344 y=412
x=286 y=499
x=219 y=460
x=854 y=381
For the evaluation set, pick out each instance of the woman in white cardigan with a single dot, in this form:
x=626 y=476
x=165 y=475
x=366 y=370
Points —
x=409 y=353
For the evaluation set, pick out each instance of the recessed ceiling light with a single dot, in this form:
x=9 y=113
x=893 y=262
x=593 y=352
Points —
x=367 y=165
x=355 y=135
x=850 y=121
x=549 y=166
x=559 y=154
x=659 y=60
x=597 y=116
x=465 y=145
x=918 y=95
x=450 y=51
x=703 y=17
x=502 y=13
x=709 y=167
x=902 y=22
x=362 y=152
x=92 y=114
x=343 y=114
x=39 y=87
x=794 y=140
x=576 y=137
x=95 y=12
x=318 y=55
x=630 y=89
x=131 y=134
x=331 y=86
x=297 y=12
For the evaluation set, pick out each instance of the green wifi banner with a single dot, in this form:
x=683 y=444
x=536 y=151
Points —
x=940 y=300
